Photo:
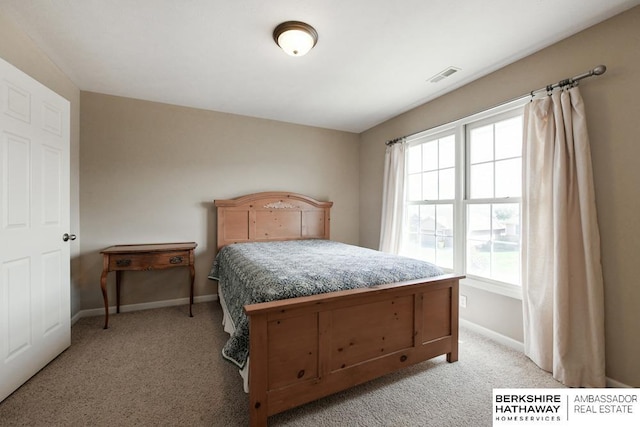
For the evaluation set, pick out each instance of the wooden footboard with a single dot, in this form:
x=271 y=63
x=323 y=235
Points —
x=306 y=348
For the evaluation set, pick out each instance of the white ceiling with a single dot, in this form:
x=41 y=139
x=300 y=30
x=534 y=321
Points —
x=373 y=60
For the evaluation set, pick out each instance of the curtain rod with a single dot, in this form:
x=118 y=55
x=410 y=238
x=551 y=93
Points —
x=596 y=71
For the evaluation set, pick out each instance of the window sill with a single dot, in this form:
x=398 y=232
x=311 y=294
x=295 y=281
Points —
x=511 y=291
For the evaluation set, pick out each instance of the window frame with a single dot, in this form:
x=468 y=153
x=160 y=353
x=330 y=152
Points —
x=460 y=129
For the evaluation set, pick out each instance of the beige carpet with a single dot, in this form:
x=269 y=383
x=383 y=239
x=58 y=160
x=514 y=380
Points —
x=161 y=367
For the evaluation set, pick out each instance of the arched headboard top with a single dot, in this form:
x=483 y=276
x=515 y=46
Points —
x=272 y=215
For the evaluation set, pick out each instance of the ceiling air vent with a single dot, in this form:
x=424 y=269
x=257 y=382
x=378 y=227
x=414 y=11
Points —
x=444 y=74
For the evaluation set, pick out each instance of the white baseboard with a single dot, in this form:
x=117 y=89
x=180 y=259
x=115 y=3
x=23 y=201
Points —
x=611 y=383
x=502 y=339
x=518 y=346
x=142 y=306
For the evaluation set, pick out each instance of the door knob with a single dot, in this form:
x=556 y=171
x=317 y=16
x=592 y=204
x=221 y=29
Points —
x=66 y=237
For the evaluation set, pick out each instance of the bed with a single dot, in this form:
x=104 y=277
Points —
x=363 y=324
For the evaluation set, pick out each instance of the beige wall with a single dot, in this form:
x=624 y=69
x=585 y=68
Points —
x=151 y=171
x=613 y=111
x=18 y=49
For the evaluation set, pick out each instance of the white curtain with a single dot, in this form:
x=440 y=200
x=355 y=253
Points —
x=563 y=295
x=393 y=197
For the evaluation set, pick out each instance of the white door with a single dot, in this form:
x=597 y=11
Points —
x=34 y=215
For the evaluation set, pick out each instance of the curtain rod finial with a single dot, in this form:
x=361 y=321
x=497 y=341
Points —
x=599 y=70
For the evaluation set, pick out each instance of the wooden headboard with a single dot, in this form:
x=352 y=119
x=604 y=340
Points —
x=270 y=216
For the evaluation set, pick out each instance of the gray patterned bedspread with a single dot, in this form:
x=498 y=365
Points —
x=267 y=271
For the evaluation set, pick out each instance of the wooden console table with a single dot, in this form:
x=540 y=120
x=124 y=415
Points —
x=144 y=257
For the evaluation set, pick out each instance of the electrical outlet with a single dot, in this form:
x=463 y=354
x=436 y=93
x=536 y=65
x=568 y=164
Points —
x=463 y=301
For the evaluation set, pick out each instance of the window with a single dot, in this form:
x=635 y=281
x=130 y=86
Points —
x=463 y=195
x=431 y=193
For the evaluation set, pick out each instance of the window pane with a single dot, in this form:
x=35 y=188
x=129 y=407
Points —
x=414 y=187
x=509 y=138
x=444 y=214
x=447 y=152
x=506 y=221
x=444 y=236
x=479 y=222
x=447 y=184
x=506 y=245
x=493 y=241
x=428 y=220
x=481 y=181
x=430 y=156
x=509 y=178
x=413 y=219
x=414 y=159
x=481 y=144
x=430 y=186
x=479 y=240
x=427 y=233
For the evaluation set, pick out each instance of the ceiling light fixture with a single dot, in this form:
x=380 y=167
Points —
x=295 y=38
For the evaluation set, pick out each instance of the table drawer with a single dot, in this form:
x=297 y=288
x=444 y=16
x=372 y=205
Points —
x=148 y=261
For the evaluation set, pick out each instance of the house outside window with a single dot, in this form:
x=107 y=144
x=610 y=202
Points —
x=463 y=196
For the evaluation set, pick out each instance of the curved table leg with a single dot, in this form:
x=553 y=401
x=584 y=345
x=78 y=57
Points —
x=103 y=286
x=118 y=278
x=192 y=272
